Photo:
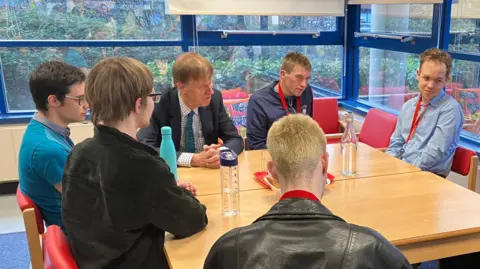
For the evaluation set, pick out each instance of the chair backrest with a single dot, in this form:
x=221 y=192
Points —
x=377 y=128
x=34 y=228
x=24 y=202
x=461 y=161
x=325 y=113
x=58 y=249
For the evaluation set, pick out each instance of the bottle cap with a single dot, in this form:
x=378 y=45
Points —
x=166 y=130
x=228 y=158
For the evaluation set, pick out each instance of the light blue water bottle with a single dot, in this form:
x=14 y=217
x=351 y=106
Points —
x=167 y=150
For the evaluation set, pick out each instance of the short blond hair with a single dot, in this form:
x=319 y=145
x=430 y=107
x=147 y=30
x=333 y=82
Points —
x=296 y=144
x=114 y=85
x=191 y=66
x=295 y=58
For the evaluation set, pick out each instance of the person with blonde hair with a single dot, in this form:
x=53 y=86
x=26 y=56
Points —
x=291 y=94
x=196 y=114
x=119 y=196
x=299 y=231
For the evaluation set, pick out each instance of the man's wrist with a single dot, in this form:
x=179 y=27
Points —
x=194 y=160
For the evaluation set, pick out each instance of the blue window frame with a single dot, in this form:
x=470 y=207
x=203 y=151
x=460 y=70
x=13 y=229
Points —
x=21 y=111
x=389 y=92
x=347 y=47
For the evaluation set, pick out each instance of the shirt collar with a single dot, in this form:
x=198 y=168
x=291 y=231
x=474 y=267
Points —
x=437 y=98
x=299 y=194
x=184 y=108
x=52 y=126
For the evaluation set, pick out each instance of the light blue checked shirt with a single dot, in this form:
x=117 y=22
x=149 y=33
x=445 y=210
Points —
x=185 y=159
x=432 y=146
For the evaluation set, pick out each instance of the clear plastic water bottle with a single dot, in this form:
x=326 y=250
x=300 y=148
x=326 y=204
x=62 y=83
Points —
x=230 y=185
x=348 y=146
x=168 y=151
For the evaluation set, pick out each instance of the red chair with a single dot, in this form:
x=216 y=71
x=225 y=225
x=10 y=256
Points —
x=58 y=249
x=34 y=228
x=377 y=128
x=325 y=113
x=465 y=163
x=376 y=131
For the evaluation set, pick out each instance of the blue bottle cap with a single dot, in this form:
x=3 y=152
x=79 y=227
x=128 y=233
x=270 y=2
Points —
x=228 y=158
x=166 y=130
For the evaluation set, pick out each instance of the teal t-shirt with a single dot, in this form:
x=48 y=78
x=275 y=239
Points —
x=42 y=157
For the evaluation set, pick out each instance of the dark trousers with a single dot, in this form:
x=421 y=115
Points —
x=467 y=261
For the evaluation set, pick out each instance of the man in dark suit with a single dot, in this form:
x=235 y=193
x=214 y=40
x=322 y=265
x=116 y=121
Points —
x=196 y=114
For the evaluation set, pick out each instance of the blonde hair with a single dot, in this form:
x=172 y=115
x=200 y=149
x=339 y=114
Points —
x=437 y=55
x=296 y=144
x=114 y=85
x=191 y=66
x=295 y=58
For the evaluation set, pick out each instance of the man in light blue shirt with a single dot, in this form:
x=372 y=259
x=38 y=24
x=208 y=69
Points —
x=428 y=128
x=58 y=92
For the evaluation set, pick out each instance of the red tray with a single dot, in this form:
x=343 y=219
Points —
x=260 y=177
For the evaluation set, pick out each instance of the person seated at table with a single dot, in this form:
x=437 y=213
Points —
x=196 y=114
x=119 y=196
x=428 y=127
x=58 y=92
x=299 y=231
x=292 y=94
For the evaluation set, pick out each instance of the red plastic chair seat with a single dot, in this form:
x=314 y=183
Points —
x=25 y=202
x=325 y=113
x=461 y=161
x=58 y=249
x=377 y=128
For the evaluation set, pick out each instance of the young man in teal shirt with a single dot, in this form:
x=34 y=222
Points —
x=58 y=92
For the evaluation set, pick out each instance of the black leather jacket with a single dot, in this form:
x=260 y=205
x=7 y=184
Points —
x=301 y=234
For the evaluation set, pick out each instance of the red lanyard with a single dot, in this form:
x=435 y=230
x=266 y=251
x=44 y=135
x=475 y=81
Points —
x=415 y=120
x=284 y=103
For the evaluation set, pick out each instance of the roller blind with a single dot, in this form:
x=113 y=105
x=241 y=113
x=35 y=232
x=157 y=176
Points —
x=361 y=2
x=256 y=7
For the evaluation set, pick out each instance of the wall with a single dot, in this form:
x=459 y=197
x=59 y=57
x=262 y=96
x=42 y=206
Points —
x=11 y=138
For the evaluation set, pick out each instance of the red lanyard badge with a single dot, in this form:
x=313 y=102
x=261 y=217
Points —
x=415 y=120
x=284 y=103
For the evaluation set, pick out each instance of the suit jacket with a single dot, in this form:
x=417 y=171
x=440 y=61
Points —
x=300 y=233
x=215 y=123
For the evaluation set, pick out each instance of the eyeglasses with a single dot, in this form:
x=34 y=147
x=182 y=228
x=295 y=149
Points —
x=80 y=99
x=156 y=97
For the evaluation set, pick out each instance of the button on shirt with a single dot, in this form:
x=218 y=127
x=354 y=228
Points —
x=432 y=146
x=185 y=158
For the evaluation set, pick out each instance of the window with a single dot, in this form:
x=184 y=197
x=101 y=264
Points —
x=466 y=90
x=18 y=63
x=415 y=19
x=87 y=20
x=276 y=23
x=387 y=78
x=253 y=67
x=465 y=27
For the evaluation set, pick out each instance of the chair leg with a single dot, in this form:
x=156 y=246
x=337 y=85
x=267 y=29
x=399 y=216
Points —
x=472 y=175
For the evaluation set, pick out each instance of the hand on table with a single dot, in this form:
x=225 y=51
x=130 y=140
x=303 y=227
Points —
x=208 y=158
x=188 y=186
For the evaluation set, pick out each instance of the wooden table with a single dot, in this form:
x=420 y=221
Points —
x=370 y=163
x=425 y=216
